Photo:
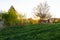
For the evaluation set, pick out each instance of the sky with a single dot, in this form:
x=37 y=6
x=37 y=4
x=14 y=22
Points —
x=27 y=6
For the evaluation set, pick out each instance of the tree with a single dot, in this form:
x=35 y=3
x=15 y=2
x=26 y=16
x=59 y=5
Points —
x=42 y=11
x=10 y=17
x=12 y=14
x=5 y=18
x=21 y=19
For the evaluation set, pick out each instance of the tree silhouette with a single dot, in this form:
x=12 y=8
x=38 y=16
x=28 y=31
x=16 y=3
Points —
x=42 y=11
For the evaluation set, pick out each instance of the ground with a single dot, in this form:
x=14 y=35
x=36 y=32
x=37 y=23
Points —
x=32 y=32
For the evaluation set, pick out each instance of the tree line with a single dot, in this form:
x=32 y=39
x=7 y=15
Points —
x=12 y=18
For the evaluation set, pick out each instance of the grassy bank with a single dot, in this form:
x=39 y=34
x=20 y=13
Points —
x=31 y=32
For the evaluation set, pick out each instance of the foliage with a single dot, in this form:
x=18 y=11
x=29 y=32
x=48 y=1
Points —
x=10 y=18
x=32 y=21
x=5 y=18
x=32 y=32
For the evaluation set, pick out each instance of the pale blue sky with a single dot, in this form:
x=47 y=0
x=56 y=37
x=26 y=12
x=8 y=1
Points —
x=26 y=6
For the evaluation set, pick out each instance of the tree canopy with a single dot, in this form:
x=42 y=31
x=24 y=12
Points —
x=42 y=11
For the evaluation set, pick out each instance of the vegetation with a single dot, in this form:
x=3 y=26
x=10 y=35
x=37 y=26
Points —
x=31 y=32
x=42 y=11
x=10 y=18
x=18 y=30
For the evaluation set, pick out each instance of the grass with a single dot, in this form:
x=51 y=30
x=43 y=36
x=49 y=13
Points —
x=32 y=32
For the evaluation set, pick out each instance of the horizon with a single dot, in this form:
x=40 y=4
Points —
x=27 y=6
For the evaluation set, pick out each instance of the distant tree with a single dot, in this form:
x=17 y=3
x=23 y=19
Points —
x=5 y=18
x=12 y=14
x=21 y=18
x=0 y=17
x=42 y=11
x=10 y=17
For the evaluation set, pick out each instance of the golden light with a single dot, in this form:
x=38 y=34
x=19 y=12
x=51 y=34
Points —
x=36 y=18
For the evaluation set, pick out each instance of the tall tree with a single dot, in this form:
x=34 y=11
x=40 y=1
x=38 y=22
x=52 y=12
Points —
x=42 y=11
x=11 y=17
x=12 y=14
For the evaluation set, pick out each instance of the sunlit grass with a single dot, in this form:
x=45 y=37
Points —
x=32 y=32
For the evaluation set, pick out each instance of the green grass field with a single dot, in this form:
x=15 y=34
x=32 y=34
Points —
x=31 y=32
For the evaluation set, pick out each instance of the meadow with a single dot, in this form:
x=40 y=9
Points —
x=31 y=32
